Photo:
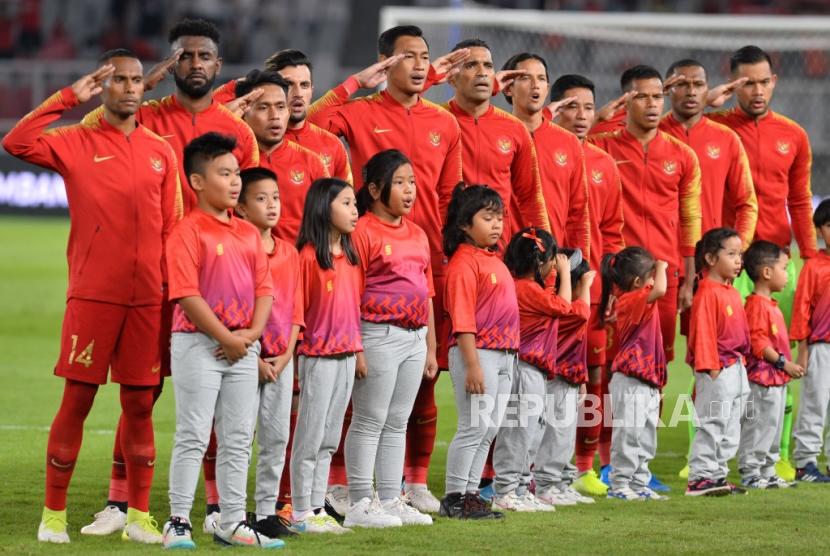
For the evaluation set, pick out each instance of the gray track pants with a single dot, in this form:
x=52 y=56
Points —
x=812 y=407
x=635 y=406
x=552 y=464
x=761 y=428
x=211 y=392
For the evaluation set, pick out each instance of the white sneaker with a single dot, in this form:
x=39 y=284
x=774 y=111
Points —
x=141 y=528
x=511 y=502
x=367 y=512
x=420 y=498
x=211 y=522
x=322 y=523
x=406 y=513
x=337 y=497
x=108 y=521
x=648 y=494
x=46 y=534
x=177 y=533
x=240 y=534
x=540 y=506
x=574 y=495
x=625 y=493
x=554 y=497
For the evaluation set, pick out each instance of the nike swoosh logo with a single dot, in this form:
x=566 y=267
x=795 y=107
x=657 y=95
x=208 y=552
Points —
x=151 y=463
x=425 y=421
x=102 y=158
x=54 y=463
x=597 y=350
x=378 y=130
x=167 y=136
x=618 y=162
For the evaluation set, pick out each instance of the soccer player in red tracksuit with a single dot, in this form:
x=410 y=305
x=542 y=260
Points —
x=179 y=118
x=296 y=68
x=606 y=218
x=430 y=137
x=780 y=158
x=124 y=197
x=295 y=166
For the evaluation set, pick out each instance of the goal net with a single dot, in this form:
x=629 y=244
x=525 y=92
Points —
x=602 y=45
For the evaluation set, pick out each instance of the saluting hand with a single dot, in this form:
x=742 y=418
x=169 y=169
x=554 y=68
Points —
x=558 y=105
x=717 y=96
x=505 y=78
x=612 y=107
x=375 y=74
x=448 y=65
x=241 y=105
x=158 y=72
x=92 y=83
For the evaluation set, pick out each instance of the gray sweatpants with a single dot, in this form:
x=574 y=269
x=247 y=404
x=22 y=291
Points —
x=522 y=426
x=325 y=388
x=635 y=407
x=812 y=407
x=211 y=392
x=719 y=404
x=479 y=416
x=273 y=429
x=552 y=464
x=381 y=405
x=761 y=427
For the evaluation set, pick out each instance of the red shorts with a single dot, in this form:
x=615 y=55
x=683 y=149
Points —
x=597 y=339
x=97 y=337
x=443 y=326
x=667 y=306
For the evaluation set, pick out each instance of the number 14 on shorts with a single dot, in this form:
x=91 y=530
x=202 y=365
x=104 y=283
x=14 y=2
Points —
x=85 y=357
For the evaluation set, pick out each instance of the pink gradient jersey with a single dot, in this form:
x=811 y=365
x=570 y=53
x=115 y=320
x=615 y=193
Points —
x=287 y=310
x=641 y=352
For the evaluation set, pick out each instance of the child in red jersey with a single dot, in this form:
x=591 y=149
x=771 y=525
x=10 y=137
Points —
x=769 y=368
x=219 y=279
x=332 y=282
x=564 y=387
x=531 y=256
x=398 y=330
x=638 y=370
x=260 y=204
x=481 y=301
x=811 y=328
x=717 y=343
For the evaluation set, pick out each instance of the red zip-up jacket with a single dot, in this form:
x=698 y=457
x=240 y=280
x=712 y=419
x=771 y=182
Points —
x=661 y=194
x=780 y=159
x=499 y=153
x=426 y=133
x=725 y=177
x=326 y=145
x=124 y=198
x=179 y=127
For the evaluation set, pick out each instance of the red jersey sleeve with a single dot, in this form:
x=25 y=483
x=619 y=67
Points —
x=612 y=222
x=547 y=302
x=703 y=333
x=225 y=93
x=462 y=291
x=802 y=311
x=800 y=198
x=616 y=122
x=578 y=224
x=759 y=328
x=740 y=193
x=183 y=256
x=341 y=167
x=451 y=173
x=30 y=141
x=690 y=214
x=172 y=203
x=527 y=185
x=250 y=149
x=580 y=310
x=327 y=111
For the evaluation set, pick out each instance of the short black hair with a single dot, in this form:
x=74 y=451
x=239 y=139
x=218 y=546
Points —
x=387 y=39
x=194 y=28
x=253 y=175
x=471 y=43
x=570 y=81
x=760 y=254
x=255 y=78
x=517 y=59
x=822 y=214
x=684 y=63
x=115 y=53
x=748 y=55
x=205 y=148
x=636 y=73
x=287 y=58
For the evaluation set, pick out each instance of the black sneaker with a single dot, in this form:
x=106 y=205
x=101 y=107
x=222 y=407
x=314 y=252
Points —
x=452 y=505
x=272 y=526
x=810 y=474
x=475 y=507
x=733 y=489
x=706 y=487
x=329 y=509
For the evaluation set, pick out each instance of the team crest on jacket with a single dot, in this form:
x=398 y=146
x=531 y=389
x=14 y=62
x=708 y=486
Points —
x=782 y=146
x=561 y=158
x=156 y=164
x=713 y=151
x=325 y=159
x=596 y=176
x=669 y=167
x=297 y=176
x=505 y=144
x=435 y=138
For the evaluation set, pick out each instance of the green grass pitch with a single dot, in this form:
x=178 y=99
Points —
x=32 y=286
